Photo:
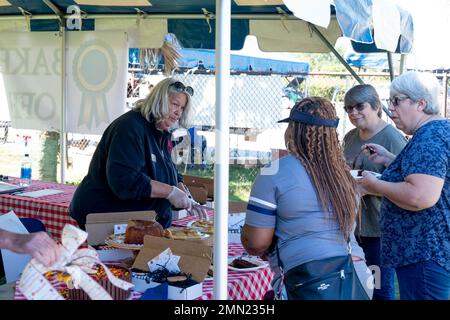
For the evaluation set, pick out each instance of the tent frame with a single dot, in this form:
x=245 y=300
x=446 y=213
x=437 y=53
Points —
x=223 y=35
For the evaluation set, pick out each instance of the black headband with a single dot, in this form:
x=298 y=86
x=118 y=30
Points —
x=299 y=116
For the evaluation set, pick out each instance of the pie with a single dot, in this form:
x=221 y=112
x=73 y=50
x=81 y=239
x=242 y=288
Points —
x=204 y=226
x=178 y=233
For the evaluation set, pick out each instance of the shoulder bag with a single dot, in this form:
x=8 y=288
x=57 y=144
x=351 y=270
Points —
x=333 y=278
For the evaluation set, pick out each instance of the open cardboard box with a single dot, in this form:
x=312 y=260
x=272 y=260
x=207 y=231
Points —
x=207 y=182
x=236 y=220
x=194 y=260
x=101 y=225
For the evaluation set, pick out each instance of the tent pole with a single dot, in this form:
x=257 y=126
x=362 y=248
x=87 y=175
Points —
x=62 y=33
x=63 y=104
x=402 y=63
x=340 y=58
x=391 y=65
x=222 y=132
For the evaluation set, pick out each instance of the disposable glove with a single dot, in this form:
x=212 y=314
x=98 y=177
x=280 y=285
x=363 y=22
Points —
x=198 y=211
x=179 y=199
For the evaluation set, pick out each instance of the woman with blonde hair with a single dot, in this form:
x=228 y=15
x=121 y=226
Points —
x=131 y=169
x=305 y=210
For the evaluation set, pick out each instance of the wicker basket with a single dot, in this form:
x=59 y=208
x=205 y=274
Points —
x=115 y=292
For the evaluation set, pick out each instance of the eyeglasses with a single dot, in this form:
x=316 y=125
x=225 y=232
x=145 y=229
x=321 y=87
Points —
x=358 y=107
x=395 y=101
x=180 y=87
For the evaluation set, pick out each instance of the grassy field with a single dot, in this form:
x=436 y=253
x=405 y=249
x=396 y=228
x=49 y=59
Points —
x=240 y=179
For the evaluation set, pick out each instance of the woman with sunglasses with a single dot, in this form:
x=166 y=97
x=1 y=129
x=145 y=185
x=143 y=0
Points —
x=415 y=210
x=131 y=169
x=363 y=107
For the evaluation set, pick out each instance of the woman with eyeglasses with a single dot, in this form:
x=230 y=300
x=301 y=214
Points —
x=415 y=210
x=131 y=169
x=363 y=107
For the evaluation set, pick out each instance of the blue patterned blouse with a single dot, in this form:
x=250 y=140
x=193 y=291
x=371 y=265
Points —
x=409 y=237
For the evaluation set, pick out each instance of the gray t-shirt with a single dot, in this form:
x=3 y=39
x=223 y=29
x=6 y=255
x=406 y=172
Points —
x=393 y=141
x=286 y=201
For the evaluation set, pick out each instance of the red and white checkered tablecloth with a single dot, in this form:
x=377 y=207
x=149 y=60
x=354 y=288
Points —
x=52 y=210
x=184 y=221
x=242 y=285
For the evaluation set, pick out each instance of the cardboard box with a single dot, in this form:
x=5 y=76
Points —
x=13 y=263
x=237 y=206
x=114 y=254
x=179 y=214
x=101 y=225
x=207 y=182
x=194 y=260
x=236 y=220
x=199 y=192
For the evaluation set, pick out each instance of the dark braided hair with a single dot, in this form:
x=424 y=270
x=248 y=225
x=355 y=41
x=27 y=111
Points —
x=318 y=149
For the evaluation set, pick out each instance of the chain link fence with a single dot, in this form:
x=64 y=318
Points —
x=257 y=102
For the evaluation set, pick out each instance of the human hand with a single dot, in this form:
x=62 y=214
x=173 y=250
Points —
x=198 y=211
x=366 y=184
x=179 y=199
x=40 y=246
x=377 y=153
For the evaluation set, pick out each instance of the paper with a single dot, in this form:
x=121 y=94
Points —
x=165 y=260
x=10 y=222
x=13 y=263
x=39 y=193
x=9 y=188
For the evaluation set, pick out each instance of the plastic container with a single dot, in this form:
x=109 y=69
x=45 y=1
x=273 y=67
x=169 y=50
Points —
x=25 y=171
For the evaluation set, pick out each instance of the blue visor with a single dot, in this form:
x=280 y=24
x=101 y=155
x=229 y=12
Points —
x=306 y=118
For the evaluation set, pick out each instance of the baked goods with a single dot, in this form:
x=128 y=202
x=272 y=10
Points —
x=137 y=229
x=179 y=233
x=99 y=276
x=204 y=226
x=242 y=264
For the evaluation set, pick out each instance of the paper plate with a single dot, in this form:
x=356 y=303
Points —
x=117 y=241
x=258 y=262
x=355 y=175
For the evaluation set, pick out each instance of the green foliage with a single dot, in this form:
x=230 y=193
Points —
x=332 y=91
x=326 y=62
x=240 y=179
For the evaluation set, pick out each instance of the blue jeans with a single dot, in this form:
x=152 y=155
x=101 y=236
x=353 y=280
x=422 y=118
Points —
x=371 y=248
x=424 y=280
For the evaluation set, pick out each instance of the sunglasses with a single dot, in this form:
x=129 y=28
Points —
x=395 y=101
x=358 y=107
x=180 y=87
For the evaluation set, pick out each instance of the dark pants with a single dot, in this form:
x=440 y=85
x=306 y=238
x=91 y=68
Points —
x=424 y=280
x=371 y=248
x=32 y=225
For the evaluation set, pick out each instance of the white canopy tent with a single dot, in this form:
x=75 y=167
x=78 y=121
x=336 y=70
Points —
x=279 y=25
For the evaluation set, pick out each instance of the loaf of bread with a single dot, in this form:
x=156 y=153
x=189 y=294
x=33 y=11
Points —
x=137 y=229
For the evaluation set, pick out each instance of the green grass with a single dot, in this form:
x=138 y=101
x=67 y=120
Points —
x=240 y=179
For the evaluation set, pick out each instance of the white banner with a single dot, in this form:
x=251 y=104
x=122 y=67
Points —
x=96 y=69
x=30 y=64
